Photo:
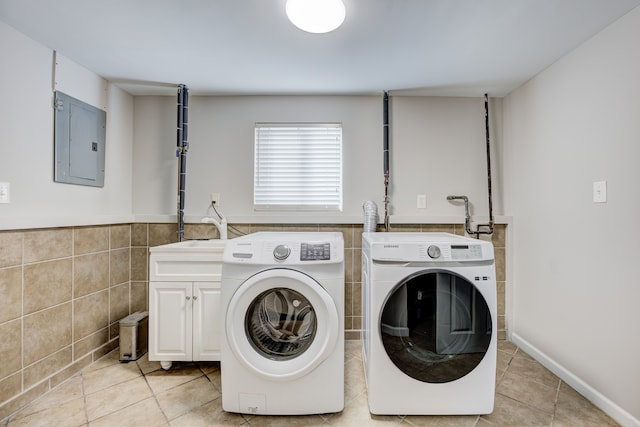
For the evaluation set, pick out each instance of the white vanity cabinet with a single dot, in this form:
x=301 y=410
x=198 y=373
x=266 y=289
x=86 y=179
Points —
x=184 y=301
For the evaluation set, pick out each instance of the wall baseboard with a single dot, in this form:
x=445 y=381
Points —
x=590 y=393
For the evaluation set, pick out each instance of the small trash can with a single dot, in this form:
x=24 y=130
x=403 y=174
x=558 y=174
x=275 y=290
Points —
x=134 y=330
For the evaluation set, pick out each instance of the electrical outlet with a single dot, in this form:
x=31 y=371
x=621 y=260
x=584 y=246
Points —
x=600 y=192
x=215 y=199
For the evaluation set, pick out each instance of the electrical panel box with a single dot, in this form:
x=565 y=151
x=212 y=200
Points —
x=79 y=141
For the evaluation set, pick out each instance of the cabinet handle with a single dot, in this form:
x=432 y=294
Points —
x=188 y=298
x=195 y=297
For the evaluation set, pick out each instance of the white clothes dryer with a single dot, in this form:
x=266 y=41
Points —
x=283 y=315
x=429 y=323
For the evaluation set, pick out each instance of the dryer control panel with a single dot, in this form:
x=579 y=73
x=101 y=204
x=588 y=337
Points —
x=466 y=252
x=425 y=247
x=417 y=252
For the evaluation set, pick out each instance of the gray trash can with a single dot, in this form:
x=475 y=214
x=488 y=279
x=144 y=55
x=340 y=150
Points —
x=134 y=330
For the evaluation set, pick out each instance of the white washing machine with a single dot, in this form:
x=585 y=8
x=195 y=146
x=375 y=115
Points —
x=283 y=309
x=429 y=323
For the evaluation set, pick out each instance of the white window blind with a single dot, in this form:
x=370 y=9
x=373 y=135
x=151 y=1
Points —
x=298 y=167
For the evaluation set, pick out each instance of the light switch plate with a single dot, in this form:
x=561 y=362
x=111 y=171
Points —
x=422 y=201
x=600 y=192
x=4 y=192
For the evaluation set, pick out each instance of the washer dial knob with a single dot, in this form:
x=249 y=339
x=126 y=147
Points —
x=433 y=251
x=281 y=252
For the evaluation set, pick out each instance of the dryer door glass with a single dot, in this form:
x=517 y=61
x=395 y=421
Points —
x=436 y=326
x=281 y=323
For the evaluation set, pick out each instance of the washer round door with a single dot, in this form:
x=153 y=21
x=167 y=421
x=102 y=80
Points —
x=281 y=324
x=436 y=326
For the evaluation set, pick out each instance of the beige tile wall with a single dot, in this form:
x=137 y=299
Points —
x=63 y=291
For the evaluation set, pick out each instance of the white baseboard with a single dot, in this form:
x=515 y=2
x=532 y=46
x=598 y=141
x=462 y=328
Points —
x=591 y=394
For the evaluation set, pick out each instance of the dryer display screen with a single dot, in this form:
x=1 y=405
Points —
x=466 y=252
x=315 y=252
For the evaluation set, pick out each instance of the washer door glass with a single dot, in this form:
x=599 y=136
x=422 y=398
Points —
x=281 y=323
x=436 y=326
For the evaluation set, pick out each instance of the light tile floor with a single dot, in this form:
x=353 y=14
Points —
x=110 y=393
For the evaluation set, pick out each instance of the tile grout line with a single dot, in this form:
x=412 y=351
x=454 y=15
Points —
x=155 y=397
x=73 y=302
x=555 y=402
x=84 y=396
x=22 y=316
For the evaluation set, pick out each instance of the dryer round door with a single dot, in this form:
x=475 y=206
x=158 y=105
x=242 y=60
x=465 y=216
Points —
x=436 y=326
x=281 y=324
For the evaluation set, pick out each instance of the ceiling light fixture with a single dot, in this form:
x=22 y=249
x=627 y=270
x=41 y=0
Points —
x=316 y=16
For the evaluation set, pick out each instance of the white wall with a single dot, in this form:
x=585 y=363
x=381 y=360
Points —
x=437 y=148
x=576 y=264
x=28 y=77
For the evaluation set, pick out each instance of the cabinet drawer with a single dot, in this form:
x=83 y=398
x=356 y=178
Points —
x=189 y=261
x=185 y=267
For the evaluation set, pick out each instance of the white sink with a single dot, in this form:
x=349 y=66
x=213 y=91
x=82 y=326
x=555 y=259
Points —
x=189 y=260
x=214 y=245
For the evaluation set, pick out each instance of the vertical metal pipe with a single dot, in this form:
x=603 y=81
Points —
x=185 y=118
x=486 y=127
x=181 y=153
x=179 y=120
x=178 y=155
x=385 y=155
x=385 y=135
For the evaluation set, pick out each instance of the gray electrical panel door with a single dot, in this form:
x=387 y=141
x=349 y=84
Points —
x=79 y=141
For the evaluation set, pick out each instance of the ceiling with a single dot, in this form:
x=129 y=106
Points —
x=219 y=47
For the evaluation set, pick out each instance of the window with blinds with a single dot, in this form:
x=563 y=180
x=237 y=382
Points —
x=298 y=167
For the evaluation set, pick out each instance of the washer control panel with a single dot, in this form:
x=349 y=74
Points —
x=315 y=251
x=285 y=248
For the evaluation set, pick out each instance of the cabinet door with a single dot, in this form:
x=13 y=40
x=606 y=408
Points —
x=207 y=321
x=170 y=328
